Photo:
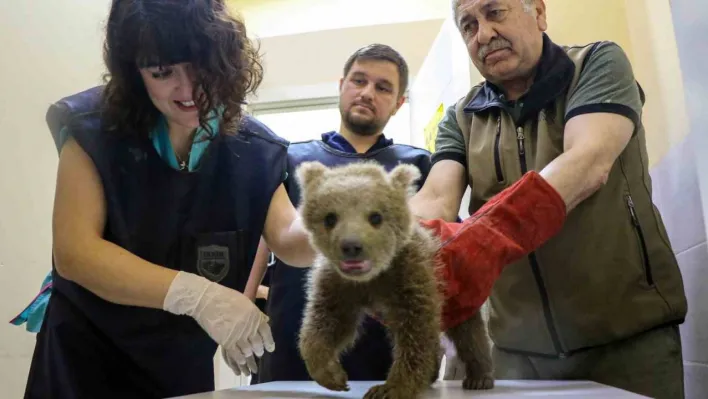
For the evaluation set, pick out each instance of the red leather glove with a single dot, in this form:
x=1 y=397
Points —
x=510 y=225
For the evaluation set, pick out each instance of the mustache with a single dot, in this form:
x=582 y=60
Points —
x=496 y=44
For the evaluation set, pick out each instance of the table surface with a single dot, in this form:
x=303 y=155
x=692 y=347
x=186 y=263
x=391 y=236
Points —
x=441 y=390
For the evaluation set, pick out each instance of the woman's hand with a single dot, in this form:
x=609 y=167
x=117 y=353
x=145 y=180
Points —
x=230 y=318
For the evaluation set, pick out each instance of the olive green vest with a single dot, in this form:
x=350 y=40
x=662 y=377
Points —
x=610 y=273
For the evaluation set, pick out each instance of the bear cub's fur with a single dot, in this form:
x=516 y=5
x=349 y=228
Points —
x=374 y=258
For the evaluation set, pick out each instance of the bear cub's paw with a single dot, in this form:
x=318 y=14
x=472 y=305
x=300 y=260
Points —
x=478 y=382
x=331 y=376
x=388 y=391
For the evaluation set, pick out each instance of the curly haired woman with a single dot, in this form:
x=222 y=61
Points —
x=163 y=191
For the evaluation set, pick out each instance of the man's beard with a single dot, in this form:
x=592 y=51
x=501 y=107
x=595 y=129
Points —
x=362 y=128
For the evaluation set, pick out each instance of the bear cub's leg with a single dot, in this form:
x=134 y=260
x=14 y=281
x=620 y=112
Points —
x=416 y=335
x=473 y=349
x=326 y=332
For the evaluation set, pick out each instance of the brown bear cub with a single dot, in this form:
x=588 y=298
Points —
x=374 y=258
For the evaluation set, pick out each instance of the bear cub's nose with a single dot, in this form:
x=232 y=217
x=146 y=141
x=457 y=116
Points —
x=351 y=248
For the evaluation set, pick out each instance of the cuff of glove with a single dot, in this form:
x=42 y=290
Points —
x=526 y=214
x=184 y=293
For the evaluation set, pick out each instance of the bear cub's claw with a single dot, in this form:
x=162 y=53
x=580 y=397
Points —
x=332 y=377
x=386 y=391
x=478 y=382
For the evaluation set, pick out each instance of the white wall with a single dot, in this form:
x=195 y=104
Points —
x=443 y=77
x=446 y=75
x=689 y=18
x=48 y=51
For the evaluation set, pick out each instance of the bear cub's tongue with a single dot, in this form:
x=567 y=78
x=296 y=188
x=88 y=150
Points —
x=355 y=266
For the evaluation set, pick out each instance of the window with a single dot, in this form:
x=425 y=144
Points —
x=301 y=124
x=310 y=122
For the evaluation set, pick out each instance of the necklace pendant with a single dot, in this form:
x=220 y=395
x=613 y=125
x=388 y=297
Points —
x=183 y=165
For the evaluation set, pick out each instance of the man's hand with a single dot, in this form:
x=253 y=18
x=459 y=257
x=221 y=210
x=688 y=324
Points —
x=440 y=196
x=284 y=232
x=509 y=226
x=258 y=270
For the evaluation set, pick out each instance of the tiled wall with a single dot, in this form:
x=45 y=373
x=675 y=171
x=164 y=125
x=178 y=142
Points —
x=676 y=194
x=681 y=191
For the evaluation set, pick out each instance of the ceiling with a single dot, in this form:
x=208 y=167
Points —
x=267 y=18
x=305 y=43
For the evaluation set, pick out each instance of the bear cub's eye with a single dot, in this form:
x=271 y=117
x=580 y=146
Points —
x=330 y=220
x=375 y=219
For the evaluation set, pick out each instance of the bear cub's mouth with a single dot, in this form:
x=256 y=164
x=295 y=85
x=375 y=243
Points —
x=355 y=267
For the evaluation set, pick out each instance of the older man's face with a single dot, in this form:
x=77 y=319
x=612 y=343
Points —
x=503 y=37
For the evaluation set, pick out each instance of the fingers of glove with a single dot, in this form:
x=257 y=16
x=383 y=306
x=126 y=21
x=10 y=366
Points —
x=239 y=369
x=251 y=364
x=256 y=342
x=236 y=366
x=227 y=315
x=235 y=354
x=229 y=362
x=244 y=370
x=245 y=348
x=266 y=336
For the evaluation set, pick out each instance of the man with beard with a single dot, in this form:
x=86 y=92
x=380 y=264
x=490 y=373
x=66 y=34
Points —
x=370 y=92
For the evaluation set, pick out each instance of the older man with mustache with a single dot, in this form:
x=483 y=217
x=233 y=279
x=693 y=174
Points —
x=603 y=297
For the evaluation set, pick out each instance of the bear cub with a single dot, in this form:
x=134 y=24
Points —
x=373 y=258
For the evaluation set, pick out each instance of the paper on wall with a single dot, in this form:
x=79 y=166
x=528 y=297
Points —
x=431 y=129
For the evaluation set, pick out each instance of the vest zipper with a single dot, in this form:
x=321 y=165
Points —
x=642 y=243
x=497 y=155
x=535 y=268
x=522 y=151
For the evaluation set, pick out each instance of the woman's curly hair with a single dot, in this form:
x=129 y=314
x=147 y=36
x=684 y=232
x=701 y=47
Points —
x=142 y=33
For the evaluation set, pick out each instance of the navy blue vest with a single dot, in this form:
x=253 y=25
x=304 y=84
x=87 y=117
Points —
x=207 y=222
x=370 y=358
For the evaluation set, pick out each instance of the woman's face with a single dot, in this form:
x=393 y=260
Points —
x=170 y=89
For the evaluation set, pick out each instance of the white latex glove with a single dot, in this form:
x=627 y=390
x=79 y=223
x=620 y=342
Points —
x=246 y=369
x=228 y=316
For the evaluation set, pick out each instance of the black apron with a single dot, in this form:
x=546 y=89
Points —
x=207 y=222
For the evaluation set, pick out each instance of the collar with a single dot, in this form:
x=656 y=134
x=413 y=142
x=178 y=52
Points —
x=202 y=138
x=338 y=142
x=554 y=74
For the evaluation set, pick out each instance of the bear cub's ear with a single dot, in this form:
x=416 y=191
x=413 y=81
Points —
x=310 y=172
x=403 y=176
